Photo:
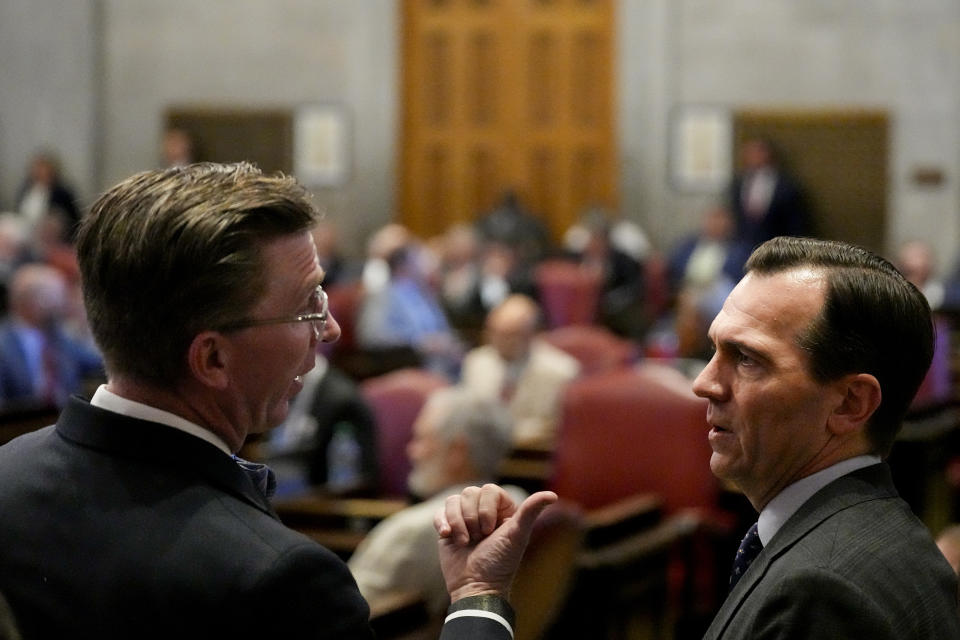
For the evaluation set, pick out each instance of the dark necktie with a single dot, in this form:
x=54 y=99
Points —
x=261 y=475
x=749 y=549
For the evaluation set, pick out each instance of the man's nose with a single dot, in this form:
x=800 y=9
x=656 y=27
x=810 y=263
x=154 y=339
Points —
x=331 y=330
x=707 y=384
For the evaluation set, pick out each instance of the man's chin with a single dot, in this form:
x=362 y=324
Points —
x=720 y=467
x=420 y=487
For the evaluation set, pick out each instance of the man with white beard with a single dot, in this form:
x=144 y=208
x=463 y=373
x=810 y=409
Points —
x=459 y=440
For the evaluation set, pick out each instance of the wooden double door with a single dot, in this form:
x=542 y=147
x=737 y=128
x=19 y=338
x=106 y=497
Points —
x=505 y=95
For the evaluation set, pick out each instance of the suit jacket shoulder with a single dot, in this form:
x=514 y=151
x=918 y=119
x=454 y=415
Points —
x=126 y=528
x=853 y=562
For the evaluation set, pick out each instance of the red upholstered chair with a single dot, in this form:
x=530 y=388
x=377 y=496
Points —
x=396 y=398
x=595 y=347
x=344 y=300
x=641 y=430
x=568 y=293
x=656 y=285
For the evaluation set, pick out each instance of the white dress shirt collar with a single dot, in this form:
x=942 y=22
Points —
x=785 y=504
x=105 y=399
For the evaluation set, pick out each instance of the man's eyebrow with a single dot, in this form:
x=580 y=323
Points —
x=739 y=346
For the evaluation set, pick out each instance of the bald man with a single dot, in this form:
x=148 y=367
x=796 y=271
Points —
x=526 y=373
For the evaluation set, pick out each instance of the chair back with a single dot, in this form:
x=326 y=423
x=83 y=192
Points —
x=568 y=294
x=344 y=300
x=396 y=399
x=634 y=430
x=546 y=573
x=595 y=347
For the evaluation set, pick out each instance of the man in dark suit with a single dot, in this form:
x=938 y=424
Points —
x=819 y=351
x=130 y=517
x=765 y=199
x=299 y=449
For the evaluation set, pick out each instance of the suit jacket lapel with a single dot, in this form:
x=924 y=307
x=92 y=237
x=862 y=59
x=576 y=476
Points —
x=870 y=483
x=159 y=444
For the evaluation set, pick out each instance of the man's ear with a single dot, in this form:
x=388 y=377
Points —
x=860 y=397
x=208 y=358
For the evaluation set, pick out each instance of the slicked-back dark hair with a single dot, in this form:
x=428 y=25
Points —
x=169 y=253
x=872 y=321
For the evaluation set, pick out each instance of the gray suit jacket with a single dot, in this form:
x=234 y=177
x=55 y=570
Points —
x=853 y=562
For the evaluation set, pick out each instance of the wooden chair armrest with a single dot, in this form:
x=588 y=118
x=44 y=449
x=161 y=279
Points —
x=339 y=524
x=319 y=505
x=651 y=542
x=622 y=518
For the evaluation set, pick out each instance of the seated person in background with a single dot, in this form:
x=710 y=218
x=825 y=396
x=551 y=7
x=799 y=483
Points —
x=477 y=276
x=406 y=312
x=375 y=273
x=458 y=440
x=512 y=224
x=625 y=235
x=459 y=284
x=299 y=450
x=326 y=238
x=680 y=337
x=708 y=255
x=502 y=273
x=40 y=362
x=621 y=276
x=13 y=248
x=516 y=368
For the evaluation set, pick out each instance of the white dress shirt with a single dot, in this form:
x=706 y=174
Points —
x=785 y=504
x=110 y=401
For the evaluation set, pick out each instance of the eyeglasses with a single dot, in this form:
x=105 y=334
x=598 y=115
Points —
x=317 y=318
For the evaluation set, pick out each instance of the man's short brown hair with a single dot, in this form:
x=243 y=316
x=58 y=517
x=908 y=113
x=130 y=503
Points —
x=169 y=253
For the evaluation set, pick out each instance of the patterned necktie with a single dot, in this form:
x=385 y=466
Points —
x=749 y=549
x=261 y=475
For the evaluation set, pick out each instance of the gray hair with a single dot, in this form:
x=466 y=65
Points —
x=485 y=425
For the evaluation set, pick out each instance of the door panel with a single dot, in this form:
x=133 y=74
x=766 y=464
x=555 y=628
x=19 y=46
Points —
x=504 y=95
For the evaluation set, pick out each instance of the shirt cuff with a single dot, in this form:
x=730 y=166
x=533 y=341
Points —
x=484 y=606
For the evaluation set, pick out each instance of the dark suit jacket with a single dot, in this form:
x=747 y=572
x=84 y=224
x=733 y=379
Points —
x=114 y=527
x=786 y=213
x=853 y=562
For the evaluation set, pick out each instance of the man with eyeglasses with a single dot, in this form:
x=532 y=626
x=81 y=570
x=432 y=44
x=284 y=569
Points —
x=131 y=517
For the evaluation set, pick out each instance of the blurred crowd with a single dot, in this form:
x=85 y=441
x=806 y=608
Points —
x=46 y=351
